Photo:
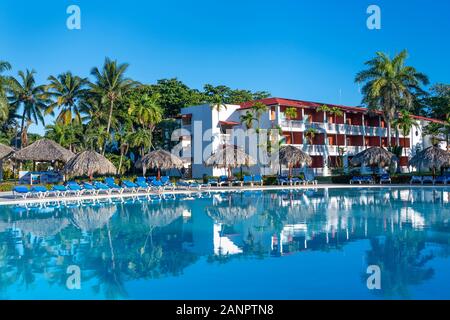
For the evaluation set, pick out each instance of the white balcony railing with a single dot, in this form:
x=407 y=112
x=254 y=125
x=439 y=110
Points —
x=332 y=128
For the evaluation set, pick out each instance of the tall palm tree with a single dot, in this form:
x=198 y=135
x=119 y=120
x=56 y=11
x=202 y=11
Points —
x=110 y=86
x=310 y=135
x=142 y=139
x=404 y=123
x=291 y=114
x=259 y=108
x=68 y=91
x=32 y=98
x=4 y=82
x=217 y=104
x=247 y=119
x=147 y=111
x=390 y=85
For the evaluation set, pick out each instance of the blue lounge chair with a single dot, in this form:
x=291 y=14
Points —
x=247 y=180
x=427 y=179
x=416 y=179
x=257 y=179
x=59 y=190
x=367 y=179
x=282 y=180
x=101 y=187
x=440 y=180
x=111 y=183
x=385 y=178
x=130 y=186
x=157 y=185
x=189 y=185
x=167 y=184
x=22 y=191
x=90 y=188
x=310 y=178
x=75 y=189
x=297 y=181
x=143 y=185
x=39 y=191
x=356 y=179
x=72 y=185
x=213 y=181
x=223 y=180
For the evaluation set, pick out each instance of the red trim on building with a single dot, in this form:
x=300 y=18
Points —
x=310 y=104
x=229 y=123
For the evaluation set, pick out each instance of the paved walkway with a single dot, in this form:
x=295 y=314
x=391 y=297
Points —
x=7 y=198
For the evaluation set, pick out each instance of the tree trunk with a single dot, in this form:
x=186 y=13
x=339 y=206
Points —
x=111 y=107
x=388 y=129
x=22 y=126
x=292 y=134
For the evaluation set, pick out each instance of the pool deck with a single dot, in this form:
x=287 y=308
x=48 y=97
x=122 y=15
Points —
x=7 y=198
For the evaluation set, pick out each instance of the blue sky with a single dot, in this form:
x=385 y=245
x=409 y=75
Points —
x=299 y=49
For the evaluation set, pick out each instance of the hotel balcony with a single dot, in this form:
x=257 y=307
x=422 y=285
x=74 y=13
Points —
x=318 y=150
x=332 y=128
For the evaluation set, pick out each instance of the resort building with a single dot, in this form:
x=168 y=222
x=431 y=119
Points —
x=335 y=137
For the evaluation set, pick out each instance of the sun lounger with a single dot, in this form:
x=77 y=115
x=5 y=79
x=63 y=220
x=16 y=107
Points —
x=189 y=185
x=310 y=178
x=101 y=187
x=257 y=179
x=167 y=184
x=59 y=190
x=367 y=179
x=39 y=191
x=22 y=191
x=356 y=179
x=247 y=180
x=283 y=180
x=213 y=181
x=75 y=189
x=142 y=185
x=440 y=180
x=110 y=182
x=297 y=181
x=416 y=179
x=427 y=179
x=130 y=186
x=385 y=178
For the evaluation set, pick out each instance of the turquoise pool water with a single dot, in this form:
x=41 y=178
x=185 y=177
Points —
x=241 y=245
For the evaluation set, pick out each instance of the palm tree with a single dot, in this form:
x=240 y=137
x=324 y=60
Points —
x=68 y=91
x=96 y=136
x=218 y=104
x=247 y=119
x=291 y=114
x=147 y=111
x=389 y=84
x=33 y=99
x=404 y=123
x=259 y=108
x=64 y=134
x=142 y=139
x=310 y=135
x=110 y=86
x=4 y=82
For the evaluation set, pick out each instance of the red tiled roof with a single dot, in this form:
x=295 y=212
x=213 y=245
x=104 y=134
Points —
x=229 y=123
x=310 y=104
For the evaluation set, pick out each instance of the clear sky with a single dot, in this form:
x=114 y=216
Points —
x=308 y=50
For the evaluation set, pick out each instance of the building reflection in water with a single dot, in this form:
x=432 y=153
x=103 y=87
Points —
x=136 y=239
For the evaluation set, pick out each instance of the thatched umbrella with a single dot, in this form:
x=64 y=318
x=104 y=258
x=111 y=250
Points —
x=161 y=160
x=374 y=157
x=92 y=218
x=44 y=150
x=229 y=156
x=5 y=152
x=89 y=163
x=431 y=158
x=291 y=156
x=42 y=227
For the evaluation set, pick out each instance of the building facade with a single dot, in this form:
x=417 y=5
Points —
x=334 y=138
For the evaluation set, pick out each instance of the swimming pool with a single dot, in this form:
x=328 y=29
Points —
x=291 y=244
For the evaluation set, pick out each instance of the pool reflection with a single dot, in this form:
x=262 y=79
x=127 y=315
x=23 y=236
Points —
x=116 y=242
